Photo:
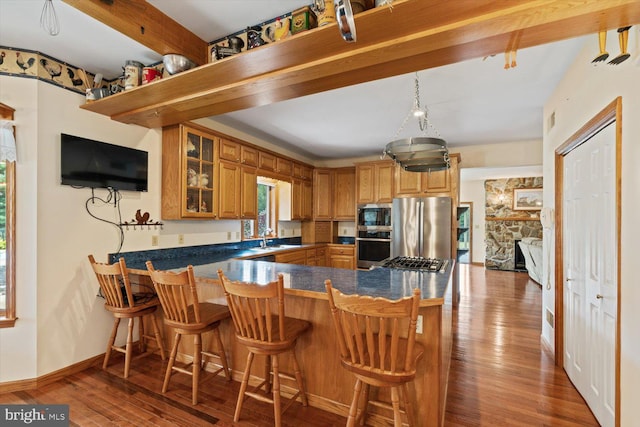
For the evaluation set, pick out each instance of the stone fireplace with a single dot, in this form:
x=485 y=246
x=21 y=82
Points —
x=503 y=225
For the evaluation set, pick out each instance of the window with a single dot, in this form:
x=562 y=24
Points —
x=267 y=213
x=7 y=235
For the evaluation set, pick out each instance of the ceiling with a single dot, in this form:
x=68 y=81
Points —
x=471 y=102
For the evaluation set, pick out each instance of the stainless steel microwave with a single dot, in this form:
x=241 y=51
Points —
x=374 y=215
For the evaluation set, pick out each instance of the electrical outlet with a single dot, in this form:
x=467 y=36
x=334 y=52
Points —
x=228 y=235
x=283 y=232
x=419 y=324
x=237 y=235
x=154 y=240
x=180 y=239
x=344 y=231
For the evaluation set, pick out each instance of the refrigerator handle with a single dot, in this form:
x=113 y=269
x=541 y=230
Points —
x=420 y=225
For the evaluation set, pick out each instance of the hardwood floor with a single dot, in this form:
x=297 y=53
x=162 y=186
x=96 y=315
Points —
x=499 y=376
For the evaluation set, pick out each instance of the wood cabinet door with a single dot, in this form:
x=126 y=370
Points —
x=341 y=261
x=344 y=194
x=407 y=183
x=296 y=199
x=307 y=200
x=249 y=193
x=248 y=156
x=284 y=166
x=384 y=182
x=365 y=184
x=229 y=201
x=437 y=181
x=322 y=206
x=229 y=150
x=266 y=161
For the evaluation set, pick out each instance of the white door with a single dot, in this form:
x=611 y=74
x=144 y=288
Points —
x=590 y=269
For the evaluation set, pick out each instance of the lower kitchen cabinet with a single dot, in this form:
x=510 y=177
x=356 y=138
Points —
x=294 y=257
x=342 y=256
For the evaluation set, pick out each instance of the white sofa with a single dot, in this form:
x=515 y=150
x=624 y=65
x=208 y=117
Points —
x=532 y=250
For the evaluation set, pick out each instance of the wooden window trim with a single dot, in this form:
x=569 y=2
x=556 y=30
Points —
x=8 y=316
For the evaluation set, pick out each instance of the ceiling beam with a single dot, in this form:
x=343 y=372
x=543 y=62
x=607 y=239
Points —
x=414 y=35
x=147 y=25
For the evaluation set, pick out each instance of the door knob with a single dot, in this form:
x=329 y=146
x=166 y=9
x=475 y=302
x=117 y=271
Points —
x=569 y=280
x=598 y=296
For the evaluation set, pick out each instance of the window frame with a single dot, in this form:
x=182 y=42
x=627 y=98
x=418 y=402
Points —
x=8 y=315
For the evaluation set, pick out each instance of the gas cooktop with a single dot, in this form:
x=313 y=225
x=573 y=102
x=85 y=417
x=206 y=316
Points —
x=415 y=263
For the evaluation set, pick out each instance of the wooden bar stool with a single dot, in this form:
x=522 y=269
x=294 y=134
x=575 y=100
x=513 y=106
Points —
x=188 y=316
x=123 y=303
x=378 y=350
x=260 y=325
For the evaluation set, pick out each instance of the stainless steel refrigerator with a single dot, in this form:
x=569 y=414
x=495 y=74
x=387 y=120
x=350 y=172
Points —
x=421 y=227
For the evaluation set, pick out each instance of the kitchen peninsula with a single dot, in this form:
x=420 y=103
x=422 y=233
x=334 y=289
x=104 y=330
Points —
x=327 y=384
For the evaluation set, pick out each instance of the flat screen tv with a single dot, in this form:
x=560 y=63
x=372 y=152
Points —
x=88 y=163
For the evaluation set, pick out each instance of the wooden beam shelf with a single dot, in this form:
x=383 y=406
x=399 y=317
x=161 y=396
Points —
x=413 y=35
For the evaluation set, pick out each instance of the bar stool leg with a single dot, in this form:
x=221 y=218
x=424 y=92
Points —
x=172 y=360
x=196 y=367
x=156 y=333
x=395 y=402
x=365 y=405
x=129 y=347
x=276 y=390
x=243 y=386
x=353 y=409
x=143 y=337
x=112 y=339
x=223 y=355
x=267 y=374
x=298 y=374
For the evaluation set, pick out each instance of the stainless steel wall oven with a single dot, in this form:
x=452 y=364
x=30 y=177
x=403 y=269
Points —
x=373 y=238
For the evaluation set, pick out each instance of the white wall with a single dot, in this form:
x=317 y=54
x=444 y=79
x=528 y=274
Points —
x=584 y=91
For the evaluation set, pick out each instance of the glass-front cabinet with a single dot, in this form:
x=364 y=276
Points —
x=199 y=177
x=188 y=191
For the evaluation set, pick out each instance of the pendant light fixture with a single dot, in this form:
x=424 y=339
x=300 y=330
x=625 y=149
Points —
x=421 y=153
x=49 y=19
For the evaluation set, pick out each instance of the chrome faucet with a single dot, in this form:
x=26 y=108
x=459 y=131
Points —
x=263 y=244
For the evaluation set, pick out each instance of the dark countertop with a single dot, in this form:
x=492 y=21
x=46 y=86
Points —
x=303 y=279
x=309 y=280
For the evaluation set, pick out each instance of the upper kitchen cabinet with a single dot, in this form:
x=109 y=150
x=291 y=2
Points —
x=334 y=194
x=322 y=197
x=302 y=171
x=230 y=193
x=284 y=166
x=188 y=173
x=421 y=183
x=374 y=182
x=248 y=156
x=229 y=150
x=266 y=161
x=344 y=194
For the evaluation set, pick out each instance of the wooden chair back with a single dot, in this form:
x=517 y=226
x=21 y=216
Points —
x=257 y=310
x=370 y=331
x=114 y=283
x=178 y=295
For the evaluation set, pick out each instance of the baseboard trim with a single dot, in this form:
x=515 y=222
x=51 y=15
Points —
x=34 y=383
x=481 y=264
x=546 y=347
